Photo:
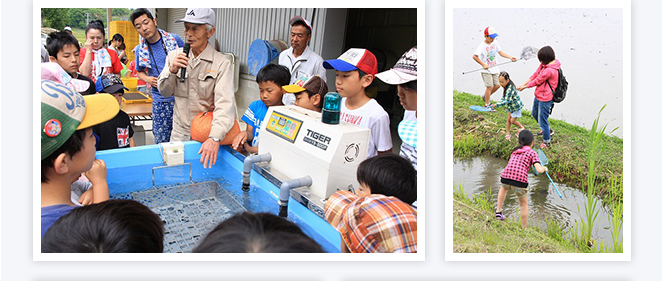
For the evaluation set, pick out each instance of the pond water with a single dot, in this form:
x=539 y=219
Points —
x=587 y=42
x=482 y=174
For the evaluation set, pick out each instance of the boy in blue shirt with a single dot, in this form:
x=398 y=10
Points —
x=271 y=80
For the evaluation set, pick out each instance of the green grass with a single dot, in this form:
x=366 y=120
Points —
x=588 y=159
x=482 y=133
x=80 y=35
x=476 y=230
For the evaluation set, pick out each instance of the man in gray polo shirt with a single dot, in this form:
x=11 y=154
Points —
x=299 y=58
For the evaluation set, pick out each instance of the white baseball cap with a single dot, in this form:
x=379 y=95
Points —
x=297 y=19
x=405 y=69
x=199 y=16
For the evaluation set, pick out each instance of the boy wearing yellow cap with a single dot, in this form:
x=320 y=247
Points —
x=309 y=92
x=68 y=146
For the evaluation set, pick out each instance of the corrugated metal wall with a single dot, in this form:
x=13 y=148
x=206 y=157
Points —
x=237 y=28
x=173 y=27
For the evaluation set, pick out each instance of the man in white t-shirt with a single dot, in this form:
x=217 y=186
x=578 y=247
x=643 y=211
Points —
x=486 y=56
x=299 y=58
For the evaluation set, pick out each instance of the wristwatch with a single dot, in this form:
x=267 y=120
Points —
x=215 y=139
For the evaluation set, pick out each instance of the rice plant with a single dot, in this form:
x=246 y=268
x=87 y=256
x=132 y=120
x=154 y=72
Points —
x=616 y=206
x=554 y=229
x=585 y=228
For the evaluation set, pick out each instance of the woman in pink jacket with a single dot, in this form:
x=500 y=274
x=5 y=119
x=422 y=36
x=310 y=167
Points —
x=547 y=72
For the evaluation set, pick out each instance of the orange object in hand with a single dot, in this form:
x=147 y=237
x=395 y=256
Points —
x=201 y=126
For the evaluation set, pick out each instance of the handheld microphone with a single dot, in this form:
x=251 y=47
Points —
x=185 y=49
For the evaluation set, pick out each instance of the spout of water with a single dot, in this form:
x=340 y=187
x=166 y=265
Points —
x=248 y=162
x=284 y=195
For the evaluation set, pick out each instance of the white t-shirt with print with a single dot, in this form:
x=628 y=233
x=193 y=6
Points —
x=488 y=55
x=372 y=116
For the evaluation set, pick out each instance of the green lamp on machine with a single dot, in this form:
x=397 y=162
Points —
x=331 y=108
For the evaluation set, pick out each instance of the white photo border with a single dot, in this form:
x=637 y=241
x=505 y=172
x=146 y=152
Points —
x=450 y=5
x=421 y=31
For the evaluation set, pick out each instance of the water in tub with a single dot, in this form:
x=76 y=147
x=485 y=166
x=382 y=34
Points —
x=191 y=210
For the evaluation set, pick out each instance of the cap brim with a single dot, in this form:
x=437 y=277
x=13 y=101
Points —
x=191 y=21
x=493 y=35
x=113 y=89
x=336 y=205
x=98 y=109
x=339 y=65
x=395 y=77
x=293 y=88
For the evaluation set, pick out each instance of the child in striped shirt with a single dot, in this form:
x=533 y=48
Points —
x=511 y=100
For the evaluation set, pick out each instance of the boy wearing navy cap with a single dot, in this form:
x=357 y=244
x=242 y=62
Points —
x=117 y=132
x=355 y=71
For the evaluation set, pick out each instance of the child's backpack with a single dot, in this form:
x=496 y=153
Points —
x=560 y=92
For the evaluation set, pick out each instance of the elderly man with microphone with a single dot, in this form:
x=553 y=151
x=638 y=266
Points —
x=201 y=79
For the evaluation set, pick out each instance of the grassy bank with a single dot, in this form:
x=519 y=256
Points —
x=476 y=230
x=80 y=35
x=481 y=133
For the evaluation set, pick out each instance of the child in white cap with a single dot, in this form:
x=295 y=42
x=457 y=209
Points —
x=404 y=75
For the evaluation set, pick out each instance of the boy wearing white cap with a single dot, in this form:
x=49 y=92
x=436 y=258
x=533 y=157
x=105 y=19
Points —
x=207 y=86
x=486 y=56
x=68 y=146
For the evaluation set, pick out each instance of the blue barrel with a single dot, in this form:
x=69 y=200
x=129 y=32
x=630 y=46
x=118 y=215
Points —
x=261 y=53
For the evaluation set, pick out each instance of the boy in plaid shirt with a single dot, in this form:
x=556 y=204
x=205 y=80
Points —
x=372 y=224
x=514 y=105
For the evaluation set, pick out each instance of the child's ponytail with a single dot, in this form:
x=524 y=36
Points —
x=525 y=137
x=509 y=84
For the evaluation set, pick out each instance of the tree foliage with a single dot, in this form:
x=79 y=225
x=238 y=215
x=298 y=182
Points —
x=58 y=18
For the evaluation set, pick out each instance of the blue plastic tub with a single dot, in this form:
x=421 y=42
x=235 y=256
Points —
x=130 y=177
